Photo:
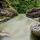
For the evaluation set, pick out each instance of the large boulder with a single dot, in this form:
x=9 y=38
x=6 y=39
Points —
x=35 y=29
x=33 y=13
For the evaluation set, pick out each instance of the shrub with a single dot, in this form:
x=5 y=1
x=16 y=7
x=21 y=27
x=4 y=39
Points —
x=23 y=5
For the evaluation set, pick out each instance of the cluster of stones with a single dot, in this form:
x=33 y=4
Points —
x=6 y=12
x=34 y=13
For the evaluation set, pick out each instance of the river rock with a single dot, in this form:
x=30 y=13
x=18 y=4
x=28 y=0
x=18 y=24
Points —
x=33 y=13
x=7 y=14
x=35 y=29
x=4 y=12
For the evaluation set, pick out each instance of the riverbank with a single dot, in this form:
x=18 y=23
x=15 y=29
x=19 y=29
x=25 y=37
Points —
x=18 y=27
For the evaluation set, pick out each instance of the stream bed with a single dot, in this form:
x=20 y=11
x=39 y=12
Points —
x=18 y=28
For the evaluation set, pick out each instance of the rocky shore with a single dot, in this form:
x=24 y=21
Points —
x=33 y=13
x=7 y=14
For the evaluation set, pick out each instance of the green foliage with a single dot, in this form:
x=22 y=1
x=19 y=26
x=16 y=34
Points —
x=23 y=5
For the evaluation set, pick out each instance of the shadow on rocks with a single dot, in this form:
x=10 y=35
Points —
x=34 y=37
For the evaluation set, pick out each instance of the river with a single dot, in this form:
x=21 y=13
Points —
x=18 y=28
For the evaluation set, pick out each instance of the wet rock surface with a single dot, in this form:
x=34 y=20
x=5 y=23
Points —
x=35 y=29
x=33 y=13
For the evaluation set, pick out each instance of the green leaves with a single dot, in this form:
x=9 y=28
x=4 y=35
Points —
x=23 y=5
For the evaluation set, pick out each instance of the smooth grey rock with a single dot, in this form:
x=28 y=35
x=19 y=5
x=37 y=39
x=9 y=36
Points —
x=35 y=29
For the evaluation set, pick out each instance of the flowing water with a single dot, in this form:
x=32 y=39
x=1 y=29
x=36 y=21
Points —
x=18 y=28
